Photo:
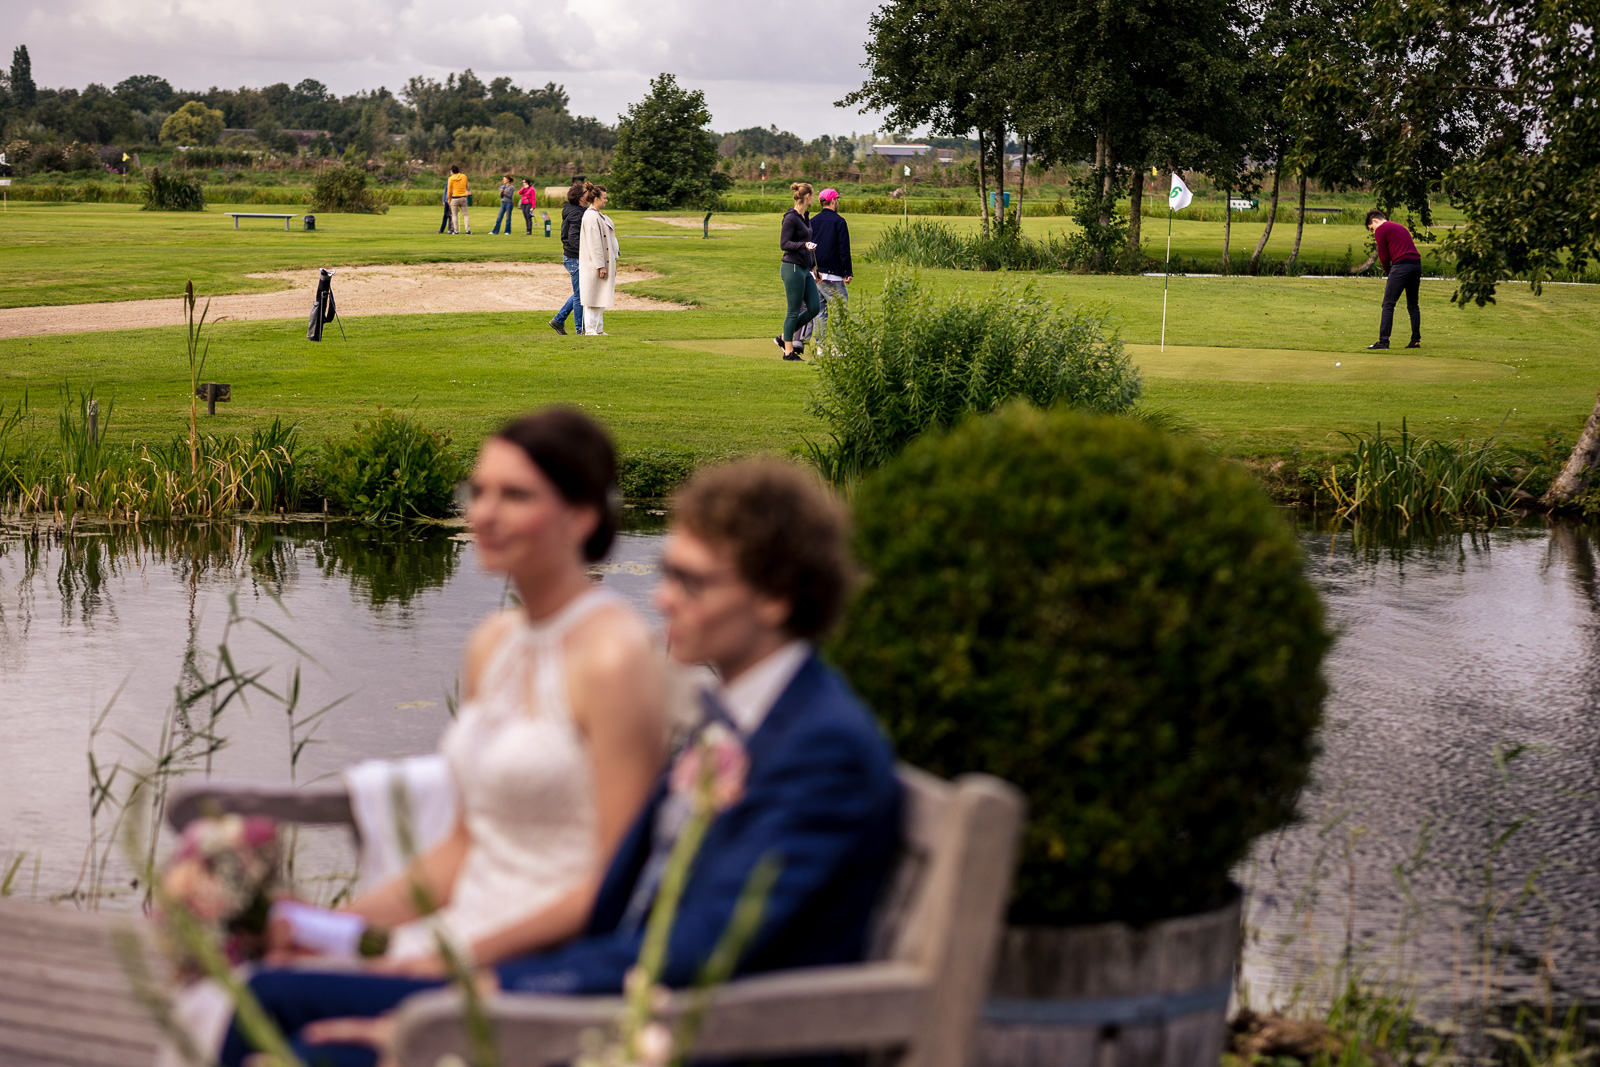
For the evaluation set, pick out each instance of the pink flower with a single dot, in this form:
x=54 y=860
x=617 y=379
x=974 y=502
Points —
x=715 y=764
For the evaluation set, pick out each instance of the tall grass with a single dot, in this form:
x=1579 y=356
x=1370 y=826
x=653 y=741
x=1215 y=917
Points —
x=910 y=361
x=1410 y=476
x=80 y=471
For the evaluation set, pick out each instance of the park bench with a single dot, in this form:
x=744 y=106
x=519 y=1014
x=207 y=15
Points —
x=237 y=215
x=65 y=998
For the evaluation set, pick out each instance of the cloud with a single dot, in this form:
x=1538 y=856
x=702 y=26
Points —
x=759 y=63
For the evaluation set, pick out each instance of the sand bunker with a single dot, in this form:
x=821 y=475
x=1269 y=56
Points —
x=692 y=224
x=392 y=289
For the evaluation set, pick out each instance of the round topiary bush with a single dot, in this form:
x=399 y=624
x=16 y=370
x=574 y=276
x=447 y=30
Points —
x=1113 y=620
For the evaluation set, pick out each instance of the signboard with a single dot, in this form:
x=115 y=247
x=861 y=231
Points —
x=1241 y=205
x=5 y=181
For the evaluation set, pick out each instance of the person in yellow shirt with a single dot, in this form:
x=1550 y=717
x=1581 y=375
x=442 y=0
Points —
x=458 y=199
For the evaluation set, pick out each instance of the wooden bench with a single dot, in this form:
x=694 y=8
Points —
x=918 y=997
x=237 y=215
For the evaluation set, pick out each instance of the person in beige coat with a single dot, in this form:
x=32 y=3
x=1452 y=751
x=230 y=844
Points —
x=597 y=261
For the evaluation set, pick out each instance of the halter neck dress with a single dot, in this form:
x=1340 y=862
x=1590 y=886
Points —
x=524 y=783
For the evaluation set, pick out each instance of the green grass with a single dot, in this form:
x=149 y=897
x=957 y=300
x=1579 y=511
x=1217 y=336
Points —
x=1248 y=362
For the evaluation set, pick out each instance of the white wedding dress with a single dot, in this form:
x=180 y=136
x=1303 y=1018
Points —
x=524 y=786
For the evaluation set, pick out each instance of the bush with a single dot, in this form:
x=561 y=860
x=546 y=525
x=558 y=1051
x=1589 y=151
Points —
x=653 y=473
x=1113 y=620
x=345 y=189
x=393 y=469
x=168 y=192
x=911 y=361
x=936 y=244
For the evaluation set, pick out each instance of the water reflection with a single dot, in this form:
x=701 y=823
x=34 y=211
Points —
x=1451 y=836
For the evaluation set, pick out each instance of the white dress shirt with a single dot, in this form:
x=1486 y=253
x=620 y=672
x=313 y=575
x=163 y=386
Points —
x=749 y=697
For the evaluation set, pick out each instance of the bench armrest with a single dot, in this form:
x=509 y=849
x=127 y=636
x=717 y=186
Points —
x=326 y=803
x=823 y=1009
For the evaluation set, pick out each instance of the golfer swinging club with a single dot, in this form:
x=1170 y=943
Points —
x=1398 y=255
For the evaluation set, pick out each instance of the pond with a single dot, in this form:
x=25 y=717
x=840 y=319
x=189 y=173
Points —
x=1451 y=837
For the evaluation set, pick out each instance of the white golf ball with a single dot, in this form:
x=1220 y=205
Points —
x=1338 y=364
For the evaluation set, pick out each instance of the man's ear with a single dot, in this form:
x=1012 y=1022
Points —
x=773 y=612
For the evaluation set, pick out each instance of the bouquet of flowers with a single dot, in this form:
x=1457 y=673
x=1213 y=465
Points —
x=223 y=876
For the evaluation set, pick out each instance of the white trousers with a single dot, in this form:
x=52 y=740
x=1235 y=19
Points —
x=594 y=320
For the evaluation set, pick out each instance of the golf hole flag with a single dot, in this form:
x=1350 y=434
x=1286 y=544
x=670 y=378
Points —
x=1180 y=196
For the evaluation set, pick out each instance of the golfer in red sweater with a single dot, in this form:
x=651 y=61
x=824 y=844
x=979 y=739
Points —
x=1401 y=261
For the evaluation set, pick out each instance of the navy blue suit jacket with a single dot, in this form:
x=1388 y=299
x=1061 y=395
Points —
x=821 y=796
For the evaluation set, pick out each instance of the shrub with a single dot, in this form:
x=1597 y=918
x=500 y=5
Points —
x=653 y=473
x=911 y=361
x=169 y=192
x=393 y=469
x=1113 y=620
x=345 y=189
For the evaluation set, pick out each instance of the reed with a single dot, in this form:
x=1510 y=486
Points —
x=1410 y=476
x=198 y=477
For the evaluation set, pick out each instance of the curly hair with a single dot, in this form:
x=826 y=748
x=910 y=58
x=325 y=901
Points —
x=789 y=536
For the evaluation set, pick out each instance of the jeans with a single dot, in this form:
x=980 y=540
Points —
x=1403 y=278
x=505 y=213
x=527 y=213
x=446 y=224
x=572 y=306
x=831 y=291
x=801 y=290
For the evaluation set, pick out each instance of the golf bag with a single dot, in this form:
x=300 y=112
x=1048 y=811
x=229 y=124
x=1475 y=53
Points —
x=322 y=306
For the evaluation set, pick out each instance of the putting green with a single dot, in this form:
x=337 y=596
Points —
x=1291 y=365
x=1197 y=363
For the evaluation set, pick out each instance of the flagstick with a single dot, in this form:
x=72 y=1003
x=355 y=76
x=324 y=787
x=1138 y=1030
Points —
x=1165 y=274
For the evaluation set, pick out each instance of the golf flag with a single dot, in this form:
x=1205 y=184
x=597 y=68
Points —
x=1180 y=196
x=908 y=172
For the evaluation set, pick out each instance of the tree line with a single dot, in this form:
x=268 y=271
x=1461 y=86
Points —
x=1408 y=98
x=427 y=117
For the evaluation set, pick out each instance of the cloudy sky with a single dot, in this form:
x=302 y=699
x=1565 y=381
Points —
x=755 y=67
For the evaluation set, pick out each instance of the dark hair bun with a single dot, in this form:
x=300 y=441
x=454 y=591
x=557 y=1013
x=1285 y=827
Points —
x=576 y=454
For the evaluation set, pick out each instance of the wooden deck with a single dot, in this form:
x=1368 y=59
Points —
x=65 y=997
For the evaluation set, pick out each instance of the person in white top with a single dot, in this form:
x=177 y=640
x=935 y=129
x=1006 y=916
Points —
x=562 y=727
x=598 y=251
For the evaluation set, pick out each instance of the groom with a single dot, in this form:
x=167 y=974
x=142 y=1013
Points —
x=755 y=568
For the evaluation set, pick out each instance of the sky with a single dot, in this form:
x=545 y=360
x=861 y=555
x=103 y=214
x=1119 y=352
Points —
x=755 y=65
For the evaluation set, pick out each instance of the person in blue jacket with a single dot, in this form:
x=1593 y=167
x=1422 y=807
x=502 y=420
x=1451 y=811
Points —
x=756 y=567
x=834 y=269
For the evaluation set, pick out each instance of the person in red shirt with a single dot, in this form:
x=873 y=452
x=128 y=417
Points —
x=1398 y=255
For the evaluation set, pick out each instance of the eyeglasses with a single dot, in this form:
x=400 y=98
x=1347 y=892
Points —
x=693 y=583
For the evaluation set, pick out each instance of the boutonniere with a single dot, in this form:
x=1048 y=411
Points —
x=711 y=772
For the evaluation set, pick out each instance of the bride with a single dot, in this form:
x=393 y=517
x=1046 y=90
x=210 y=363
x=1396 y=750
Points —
x=562 y=729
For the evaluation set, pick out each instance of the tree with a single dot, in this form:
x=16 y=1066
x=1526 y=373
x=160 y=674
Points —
x=1526 y=75
x=1134 y=85
x=192 y=124
x=953 y=65
x=24 y=94
x=665 y=156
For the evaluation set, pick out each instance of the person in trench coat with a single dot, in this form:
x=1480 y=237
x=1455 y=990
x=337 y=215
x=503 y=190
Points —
x=598 y=251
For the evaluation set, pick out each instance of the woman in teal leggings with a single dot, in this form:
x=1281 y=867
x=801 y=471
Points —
x=798 y=262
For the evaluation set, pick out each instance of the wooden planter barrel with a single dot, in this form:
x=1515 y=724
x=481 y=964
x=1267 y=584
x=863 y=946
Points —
x=1112 y=995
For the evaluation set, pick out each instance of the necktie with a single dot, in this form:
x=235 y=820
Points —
x=671 y=816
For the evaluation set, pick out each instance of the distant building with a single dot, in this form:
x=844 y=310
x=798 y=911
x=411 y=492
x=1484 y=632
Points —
x=899 y=151
x=946 y=156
